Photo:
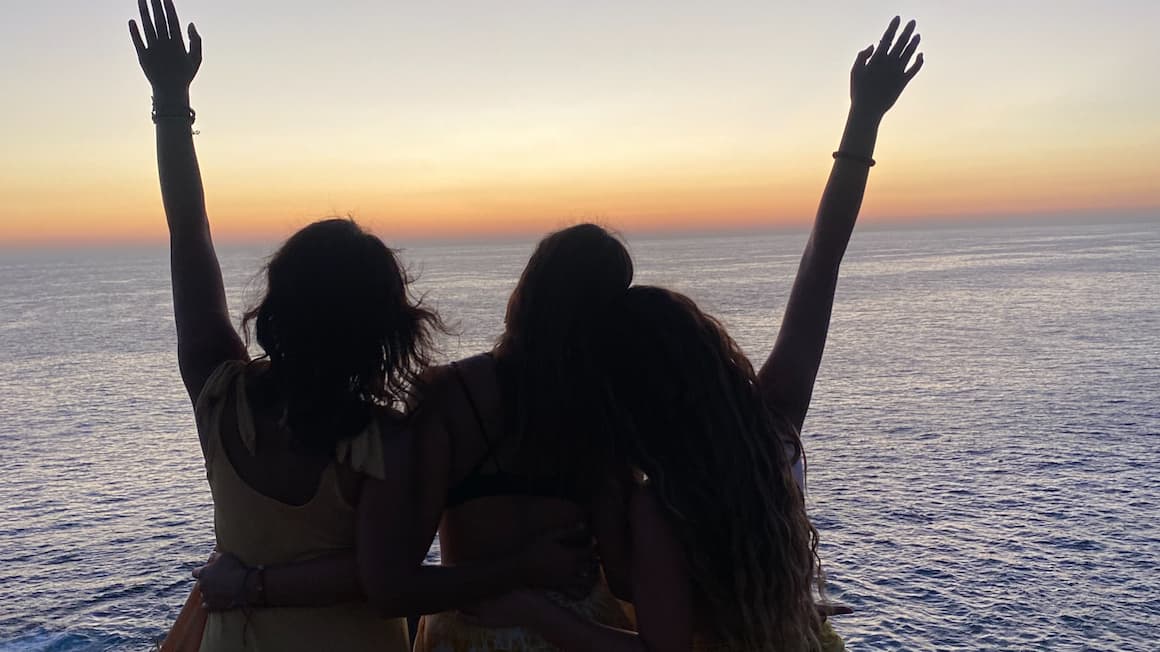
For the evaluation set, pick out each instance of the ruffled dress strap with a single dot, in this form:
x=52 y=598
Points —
x=364 y=452
x=211 y=403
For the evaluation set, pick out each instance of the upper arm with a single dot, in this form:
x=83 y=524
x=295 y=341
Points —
x=611 y=526
x=399 y=515
x=661 y=585
x=205 y=336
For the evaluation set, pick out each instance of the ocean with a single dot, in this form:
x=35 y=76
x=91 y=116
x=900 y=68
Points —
x=984 y=441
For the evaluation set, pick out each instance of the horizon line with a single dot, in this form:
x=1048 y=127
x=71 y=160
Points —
x=942 y=221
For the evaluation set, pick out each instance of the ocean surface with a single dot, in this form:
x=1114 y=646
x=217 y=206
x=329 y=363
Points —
x=984 y=441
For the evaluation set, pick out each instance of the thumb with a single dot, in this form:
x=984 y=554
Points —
x=197 y=572
x=194 y=47
x=864 y=56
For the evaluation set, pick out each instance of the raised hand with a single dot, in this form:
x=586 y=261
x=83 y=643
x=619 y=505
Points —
x=881 y=73
x=162 y=54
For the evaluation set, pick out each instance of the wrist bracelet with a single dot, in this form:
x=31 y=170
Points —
x=174 y=113
x=854 y=157
x=189 y=115
x=260 y=594
x=241 y=599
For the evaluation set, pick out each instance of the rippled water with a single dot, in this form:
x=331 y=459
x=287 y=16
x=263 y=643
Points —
x=984 y=441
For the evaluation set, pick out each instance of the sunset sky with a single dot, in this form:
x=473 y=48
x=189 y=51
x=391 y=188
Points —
x=503 y=116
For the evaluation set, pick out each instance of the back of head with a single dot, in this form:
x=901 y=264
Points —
x=572 y=274
x=341 y=332
x=685 y=408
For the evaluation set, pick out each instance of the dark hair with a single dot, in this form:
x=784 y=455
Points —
x=573 y=274
x=686 y=409
x=341 y=332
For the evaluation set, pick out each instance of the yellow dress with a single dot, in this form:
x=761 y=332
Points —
x=261 y=530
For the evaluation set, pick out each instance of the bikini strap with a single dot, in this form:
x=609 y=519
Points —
x=490 y=454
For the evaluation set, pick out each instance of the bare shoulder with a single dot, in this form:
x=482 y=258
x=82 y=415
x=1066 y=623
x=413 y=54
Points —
x=433 y=382
x=479 y=369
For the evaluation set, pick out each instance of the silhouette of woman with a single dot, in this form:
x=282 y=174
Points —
x=295 y=440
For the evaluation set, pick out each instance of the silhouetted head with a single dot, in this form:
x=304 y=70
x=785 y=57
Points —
x=340 y=329
x=685 y=408
x=573 y=274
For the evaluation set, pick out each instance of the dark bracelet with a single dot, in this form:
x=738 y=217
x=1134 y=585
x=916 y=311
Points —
x=854 y=157
x=260 y=597
x=174 y=113
x=241 y=600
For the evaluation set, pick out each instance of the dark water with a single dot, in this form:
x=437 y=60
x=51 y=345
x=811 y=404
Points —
x=984 y=442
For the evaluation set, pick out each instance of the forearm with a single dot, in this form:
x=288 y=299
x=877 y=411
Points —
x=433 y=589
x=842 y=198
x=318 y=582
x=182 y=192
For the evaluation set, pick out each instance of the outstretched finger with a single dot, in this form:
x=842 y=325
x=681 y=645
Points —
x=915 y=68
x=903 y=39
x=159 y=21
x=194 y=48
x=173 y=23
x=147 y=23
x=138 y=44
x=909 y=51
x=888 y=37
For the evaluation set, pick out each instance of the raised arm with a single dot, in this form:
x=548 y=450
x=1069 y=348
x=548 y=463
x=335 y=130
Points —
x=878 y=78
x=205 y=336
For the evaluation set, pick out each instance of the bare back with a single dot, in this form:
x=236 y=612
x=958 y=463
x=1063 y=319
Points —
x=489 y=517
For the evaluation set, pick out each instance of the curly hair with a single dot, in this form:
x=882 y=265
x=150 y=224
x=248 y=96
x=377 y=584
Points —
x=341 y=331
x=686 y=409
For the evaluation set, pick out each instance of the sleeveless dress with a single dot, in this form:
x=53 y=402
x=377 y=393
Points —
x=261 y=530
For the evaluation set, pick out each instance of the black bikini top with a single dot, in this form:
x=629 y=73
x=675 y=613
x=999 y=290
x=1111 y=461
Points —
x=481 y=483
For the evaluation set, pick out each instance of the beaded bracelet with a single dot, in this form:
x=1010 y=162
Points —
x=854 y=157
x=261 y=592
x=184 y=114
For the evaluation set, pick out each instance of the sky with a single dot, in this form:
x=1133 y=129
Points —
x=512 y=116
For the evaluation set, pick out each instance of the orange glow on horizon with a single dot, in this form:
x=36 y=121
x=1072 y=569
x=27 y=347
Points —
x=520 y=120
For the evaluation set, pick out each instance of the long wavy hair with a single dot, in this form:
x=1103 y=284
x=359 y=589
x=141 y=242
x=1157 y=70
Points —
x=686 y=410
x=573 y=274
x=341 y=331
